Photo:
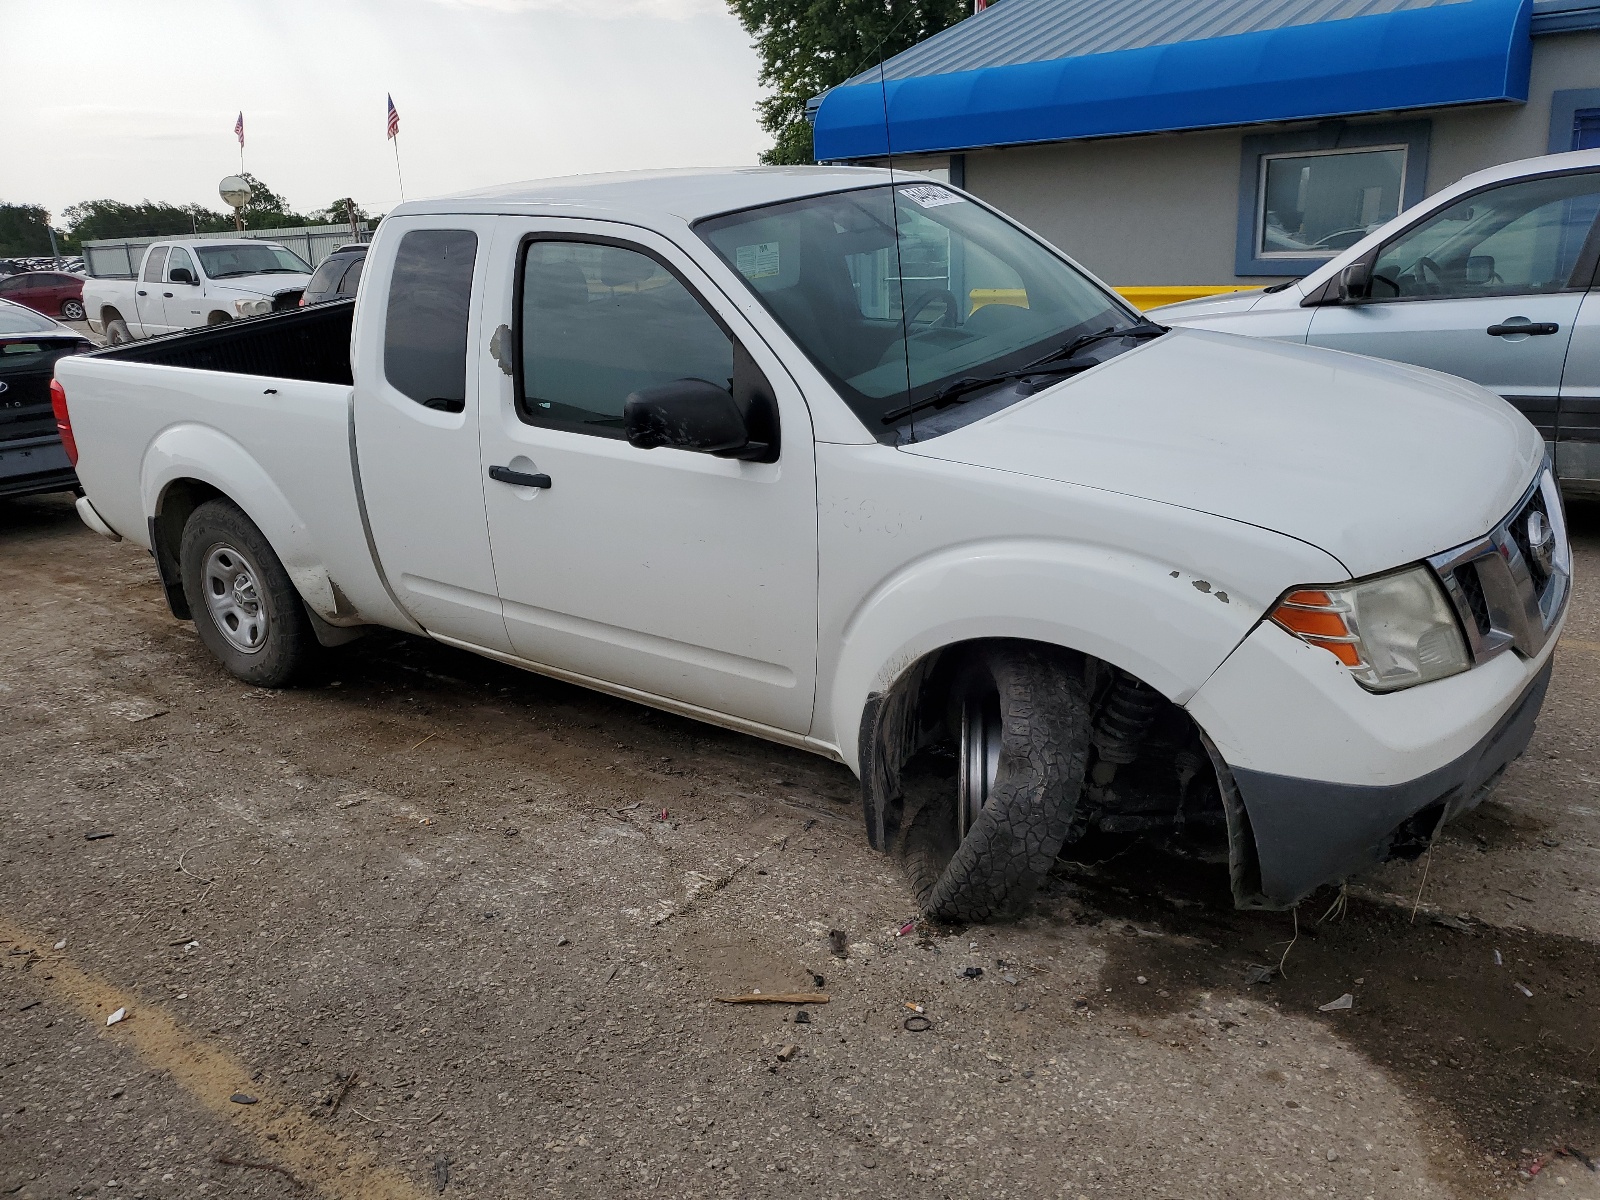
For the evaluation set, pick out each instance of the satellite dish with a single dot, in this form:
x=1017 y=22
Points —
x=235 y=191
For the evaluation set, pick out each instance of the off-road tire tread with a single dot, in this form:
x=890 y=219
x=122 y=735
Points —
x=1045 y=708
x=291 y=643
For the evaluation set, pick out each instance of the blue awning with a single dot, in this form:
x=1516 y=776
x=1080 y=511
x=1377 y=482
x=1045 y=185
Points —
x=1455 y=53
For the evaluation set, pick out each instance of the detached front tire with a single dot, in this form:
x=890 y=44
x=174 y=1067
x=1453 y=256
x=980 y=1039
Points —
x=976 y=848
x=245 y=609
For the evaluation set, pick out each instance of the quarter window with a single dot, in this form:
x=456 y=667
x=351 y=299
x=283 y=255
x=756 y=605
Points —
x=425 y=332
x=600 y=322
x=352 y=277
x=1520 y=239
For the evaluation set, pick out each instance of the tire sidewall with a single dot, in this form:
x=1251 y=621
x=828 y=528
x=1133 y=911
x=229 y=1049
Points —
x=117 y=332
x=288 y=645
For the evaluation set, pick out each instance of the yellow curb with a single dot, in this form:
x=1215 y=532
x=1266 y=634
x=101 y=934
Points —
x=210 y=1076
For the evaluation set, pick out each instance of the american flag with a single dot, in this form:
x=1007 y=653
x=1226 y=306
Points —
x=238 y=129
x=394 y=118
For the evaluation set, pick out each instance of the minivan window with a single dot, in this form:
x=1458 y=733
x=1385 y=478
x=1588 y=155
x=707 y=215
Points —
x=425 y=332
x=890 y=320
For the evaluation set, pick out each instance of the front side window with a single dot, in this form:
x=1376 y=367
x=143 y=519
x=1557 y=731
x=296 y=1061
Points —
x=1315 y=205
x=153 y=264
x=230 y=261
x=891 y=319
x=600 y=322
x=425 y=332
x=1520 y=239
x=180 y=260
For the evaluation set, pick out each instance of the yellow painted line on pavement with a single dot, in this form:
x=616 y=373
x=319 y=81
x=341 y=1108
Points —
x=304 y=1146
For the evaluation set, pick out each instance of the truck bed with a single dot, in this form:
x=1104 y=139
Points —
x=312 y=344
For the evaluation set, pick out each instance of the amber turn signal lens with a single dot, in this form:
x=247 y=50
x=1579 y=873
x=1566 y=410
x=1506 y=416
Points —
x=1317 y=619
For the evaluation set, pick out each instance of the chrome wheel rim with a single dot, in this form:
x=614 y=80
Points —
x=233 y=598
x=72 y=311
x=980 y=757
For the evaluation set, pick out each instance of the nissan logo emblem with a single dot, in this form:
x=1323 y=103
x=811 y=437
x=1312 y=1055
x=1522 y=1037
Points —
x=1542 y=541
x=4 y=387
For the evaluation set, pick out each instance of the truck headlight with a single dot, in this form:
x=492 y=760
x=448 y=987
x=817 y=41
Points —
x=1393 y=632
x=252 y=308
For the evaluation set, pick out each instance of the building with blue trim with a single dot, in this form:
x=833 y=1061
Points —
x=1168 y=142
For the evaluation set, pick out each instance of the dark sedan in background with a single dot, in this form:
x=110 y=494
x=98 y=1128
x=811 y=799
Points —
x=32 y=458
x=54 y=293
x=336 y=276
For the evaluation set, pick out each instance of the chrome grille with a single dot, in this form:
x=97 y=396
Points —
x=1510 y=586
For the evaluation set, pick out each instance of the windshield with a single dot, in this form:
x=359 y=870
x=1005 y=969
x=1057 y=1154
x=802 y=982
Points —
x=974 y=293
x=223 y=262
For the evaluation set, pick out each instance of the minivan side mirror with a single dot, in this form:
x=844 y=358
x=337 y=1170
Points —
x=1355 y=282
x=688 y=414
x=182 y=275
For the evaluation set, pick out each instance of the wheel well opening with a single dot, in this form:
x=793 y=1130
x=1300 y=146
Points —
x=109 y=313
x=1152 y=774
x=177 y=502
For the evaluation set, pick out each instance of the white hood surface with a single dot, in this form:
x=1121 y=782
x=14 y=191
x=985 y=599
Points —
x=1377 y=463
x=262 y=285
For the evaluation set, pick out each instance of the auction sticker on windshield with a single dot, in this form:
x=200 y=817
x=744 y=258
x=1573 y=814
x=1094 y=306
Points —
x=759 y=261
x=930 y=195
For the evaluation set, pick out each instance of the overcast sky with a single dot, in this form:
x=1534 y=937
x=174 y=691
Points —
x=129 y=101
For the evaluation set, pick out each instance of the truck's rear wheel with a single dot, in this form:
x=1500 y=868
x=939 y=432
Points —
x=245 y=609
x=117 y=331
x=976 y=847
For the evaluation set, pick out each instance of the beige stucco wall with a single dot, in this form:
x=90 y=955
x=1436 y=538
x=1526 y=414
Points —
x=1163 y=209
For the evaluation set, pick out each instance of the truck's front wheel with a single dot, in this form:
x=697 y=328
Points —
x=245 y=609
x=977 y=846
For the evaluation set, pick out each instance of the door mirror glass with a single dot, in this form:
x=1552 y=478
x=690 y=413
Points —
x=182 y=275
x=685 y=414
x=1355 y=282
x=1480 y=270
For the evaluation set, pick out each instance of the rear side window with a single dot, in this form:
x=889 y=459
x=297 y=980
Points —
x=322 y=278
x=153 y=264
x=352 y=277
x=425 y=334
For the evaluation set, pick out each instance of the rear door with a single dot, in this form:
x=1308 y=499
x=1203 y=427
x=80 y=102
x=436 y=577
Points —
x=416 y=417
x=150 y=310
x=1484 y=288
x=672 y=573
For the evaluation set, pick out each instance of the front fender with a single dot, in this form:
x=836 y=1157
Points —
x=1165 y=626
x=200 y=452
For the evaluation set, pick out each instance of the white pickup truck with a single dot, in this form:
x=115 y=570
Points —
x=189 y=283
x=1033 y=570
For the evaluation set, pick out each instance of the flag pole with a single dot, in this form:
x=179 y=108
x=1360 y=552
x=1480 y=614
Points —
x=396 y=140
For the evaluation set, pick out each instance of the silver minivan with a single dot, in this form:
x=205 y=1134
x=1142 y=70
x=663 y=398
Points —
x=1493 y=279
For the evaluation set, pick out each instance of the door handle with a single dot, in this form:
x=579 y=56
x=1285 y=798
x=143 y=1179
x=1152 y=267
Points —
x=519 y=478
x=142 y=292
x=1534 y=327
x=168 y=295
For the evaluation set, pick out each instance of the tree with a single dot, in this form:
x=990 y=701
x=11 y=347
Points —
x=340 y=212
x=151 y=218
x=809 y=46
x=24 y=231
x=267 y=209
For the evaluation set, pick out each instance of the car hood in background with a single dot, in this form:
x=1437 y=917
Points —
x=261 y=285
x=1206 y=306
x=1376 y=463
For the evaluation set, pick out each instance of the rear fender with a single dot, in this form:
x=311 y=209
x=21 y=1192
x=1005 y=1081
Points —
x=198 y=452
x=1132 y=612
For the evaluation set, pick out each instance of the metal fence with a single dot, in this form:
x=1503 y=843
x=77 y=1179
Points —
x=119 y=258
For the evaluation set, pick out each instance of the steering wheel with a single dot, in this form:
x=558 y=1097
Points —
x=914 y=309
x=1425 y=267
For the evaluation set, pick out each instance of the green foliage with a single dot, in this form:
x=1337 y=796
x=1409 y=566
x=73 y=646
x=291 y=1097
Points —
x=150 y=218
x=24 y=231
x=809 y=46
x=338 y=213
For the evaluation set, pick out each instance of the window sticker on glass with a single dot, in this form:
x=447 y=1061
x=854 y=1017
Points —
x=759 y=261
x=930 y=195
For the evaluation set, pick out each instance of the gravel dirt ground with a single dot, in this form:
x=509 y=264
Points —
x=431 y=926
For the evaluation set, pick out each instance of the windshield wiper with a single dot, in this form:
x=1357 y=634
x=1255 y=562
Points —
x=1055 y=363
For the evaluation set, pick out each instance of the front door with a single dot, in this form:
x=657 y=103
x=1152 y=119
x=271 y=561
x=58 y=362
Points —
x=416 y=416
x=1485 y=289
x=181 y=302
x=667 y=572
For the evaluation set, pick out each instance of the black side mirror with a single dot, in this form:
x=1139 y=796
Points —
x=182 y=275
x=1355 y=282
x=688 y=414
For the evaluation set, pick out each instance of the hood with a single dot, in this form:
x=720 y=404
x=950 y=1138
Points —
x=1377 y=463
x=261 y=285
x=1206 y=306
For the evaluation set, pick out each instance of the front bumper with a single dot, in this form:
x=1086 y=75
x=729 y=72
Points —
x=1308 y=832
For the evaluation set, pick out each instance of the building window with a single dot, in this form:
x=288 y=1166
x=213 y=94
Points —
x=1306 y=197
x=1574 y=119
x=1315 y=205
